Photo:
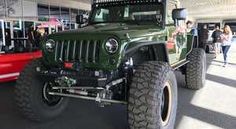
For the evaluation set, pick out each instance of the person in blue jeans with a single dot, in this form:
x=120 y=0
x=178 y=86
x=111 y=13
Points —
x=226 y=39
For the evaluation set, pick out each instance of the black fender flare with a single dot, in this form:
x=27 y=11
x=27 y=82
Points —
x=160 y=46
x=190 y=42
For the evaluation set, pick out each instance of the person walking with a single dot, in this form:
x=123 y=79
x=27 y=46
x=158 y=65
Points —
x=203 y=37
x=216 y=40
x=37 y=38
x=192 y=29
x=226 y=39
x=7 y=40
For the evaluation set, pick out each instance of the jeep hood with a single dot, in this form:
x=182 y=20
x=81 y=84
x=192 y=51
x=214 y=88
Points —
x=121 y=30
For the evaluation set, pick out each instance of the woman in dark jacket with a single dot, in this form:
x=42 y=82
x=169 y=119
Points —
x=203 y=36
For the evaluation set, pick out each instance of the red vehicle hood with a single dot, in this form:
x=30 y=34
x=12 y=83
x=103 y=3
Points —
x=12 y=64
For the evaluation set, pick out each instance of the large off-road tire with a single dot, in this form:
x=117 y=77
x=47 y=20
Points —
x=196 y=69
x=152 y=100
x=32 y=98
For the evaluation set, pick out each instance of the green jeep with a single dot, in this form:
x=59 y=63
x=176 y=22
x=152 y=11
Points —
x=126 y=54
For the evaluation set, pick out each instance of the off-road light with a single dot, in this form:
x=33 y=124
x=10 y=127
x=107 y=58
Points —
x=111 y=45
x=50 y=45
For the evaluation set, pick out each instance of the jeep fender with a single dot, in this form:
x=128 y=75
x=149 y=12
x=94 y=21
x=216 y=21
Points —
x=147 y=51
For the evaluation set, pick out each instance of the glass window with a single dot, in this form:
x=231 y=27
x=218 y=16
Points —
x=170 y=7
x=65 y=14
x=82 y=12
x=1 y=35
x=74 y=13
x=18 y=36
x=7 y=35
x=55 y=12
x=1 y=31
x=7 y=25
x=17 y=29
x=28 y=25
x=65 y=18
x=43 y=12
x=72 y=26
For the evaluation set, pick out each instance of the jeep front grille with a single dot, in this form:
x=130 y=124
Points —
x=78 y=50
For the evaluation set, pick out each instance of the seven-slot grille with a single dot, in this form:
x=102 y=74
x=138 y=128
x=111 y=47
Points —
x=78 y=50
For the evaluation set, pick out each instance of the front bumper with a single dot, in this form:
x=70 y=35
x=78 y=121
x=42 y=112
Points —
x=83 y=78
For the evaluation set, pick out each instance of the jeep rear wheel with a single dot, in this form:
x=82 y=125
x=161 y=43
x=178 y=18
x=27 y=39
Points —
x=153 y=97
x=32 y=96
x=196 y=69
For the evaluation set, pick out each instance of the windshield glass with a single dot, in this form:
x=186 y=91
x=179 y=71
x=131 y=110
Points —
x=138 y=13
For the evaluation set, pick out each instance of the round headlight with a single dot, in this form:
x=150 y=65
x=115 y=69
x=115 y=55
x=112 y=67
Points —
x=50 y=45
x=111 y=46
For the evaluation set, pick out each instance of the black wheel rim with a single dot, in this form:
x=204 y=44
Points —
x=50 y=100
x=166 y=104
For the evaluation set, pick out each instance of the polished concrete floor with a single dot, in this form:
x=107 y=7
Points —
x=213 y=107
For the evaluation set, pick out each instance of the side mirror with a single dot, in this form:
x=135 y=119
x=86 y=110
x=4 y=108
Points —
x=179 y=14
x=80 y=19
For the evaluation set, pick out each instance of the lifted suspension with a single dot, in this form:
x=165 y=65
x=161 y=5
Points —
x=97 y=99
x=99 y=94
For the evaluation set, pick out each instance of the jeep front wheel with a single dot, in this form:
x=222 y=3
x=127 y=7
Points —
x=153 y=97
x=32 y=96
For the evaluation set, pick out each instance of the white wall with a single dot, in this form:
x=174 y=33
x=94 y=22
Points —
x=29 y=9
x=17 y=7
x=30 y=6
x=67 y=3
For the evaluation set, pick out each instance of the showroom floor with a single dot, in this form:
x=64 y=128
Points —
x=212 y=107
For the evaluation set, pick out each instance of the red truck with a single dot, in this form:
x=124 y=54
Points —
x=11 y=64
